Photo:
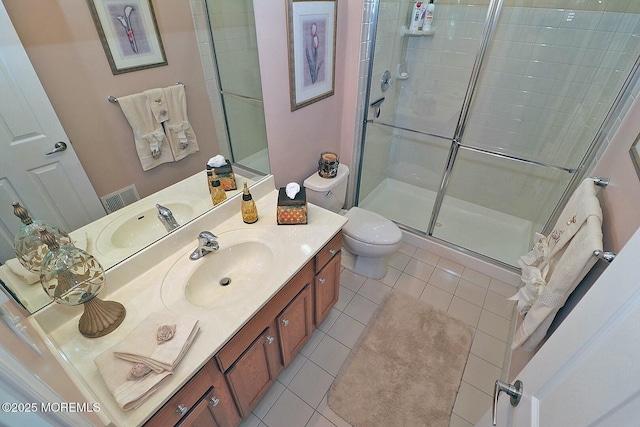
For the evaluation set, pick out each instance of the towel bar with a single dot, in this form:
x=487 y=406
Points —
x=607 y=256
x=114 y=100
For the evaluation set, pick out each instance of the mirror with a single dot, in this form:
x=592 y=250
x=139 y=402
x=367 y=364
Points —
x=68 y=34
x=634 y=151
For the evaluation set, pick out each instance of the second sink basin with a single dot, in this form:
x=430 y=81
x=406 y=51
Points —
x=243 y=262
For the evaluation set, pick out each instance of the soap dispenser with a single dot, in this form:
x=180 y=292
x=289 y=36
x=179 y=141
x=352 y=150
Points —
x=249 y=210
x=217 y=192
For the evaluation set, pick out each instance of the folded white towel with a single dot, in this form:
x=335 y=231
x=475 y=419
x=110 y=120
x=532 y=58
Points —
x=157 y=104
x=182 y=138
x=141 y=344
x=150 y=140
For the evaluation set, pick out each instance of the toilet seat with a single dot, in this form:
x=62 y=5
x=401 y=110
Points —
x=371 y=228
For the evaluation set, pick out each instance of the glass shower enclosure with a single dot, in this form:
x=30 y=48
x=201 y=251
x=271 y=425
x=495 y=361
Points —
x=491 y=116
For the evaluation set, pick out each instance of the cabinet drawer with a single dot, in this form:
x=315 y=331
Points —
x=183 y=401
x=243 y=339
x=330 y=249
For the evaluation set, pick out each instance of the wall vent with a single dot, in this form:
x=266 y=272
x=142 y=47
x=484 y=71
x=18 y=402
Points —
x=119 y=199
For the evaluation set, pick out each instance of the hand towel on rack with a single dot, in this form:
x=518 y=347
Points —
x=143 y=346
x=561 y=266
x=180 y=134
x=150 y=140
x=157 y=104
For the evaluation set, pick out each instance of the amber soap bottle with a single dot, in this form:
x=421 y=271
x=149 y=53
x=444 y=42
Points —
x=249 y=210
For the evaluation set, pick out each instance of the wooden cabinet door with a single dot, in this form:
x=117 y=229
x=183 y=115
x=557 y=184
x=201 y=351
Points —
x=200 y=415
x=221 y=404
x=295 y=325
x=254 y=372
x=327 y=288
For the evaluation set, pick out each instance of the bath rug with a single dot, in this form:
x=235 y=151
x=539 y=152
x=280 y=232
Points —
x=406 y=368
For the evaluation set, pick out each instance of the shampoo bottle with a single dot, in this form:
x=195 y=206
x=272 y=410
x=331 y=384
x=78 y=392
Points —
x=417 y=15
x=217 y=192
x=249 y=210
x=428 y=16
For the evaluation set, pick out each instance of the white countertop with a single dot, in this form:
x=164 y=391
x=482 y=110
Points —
x=136 y=283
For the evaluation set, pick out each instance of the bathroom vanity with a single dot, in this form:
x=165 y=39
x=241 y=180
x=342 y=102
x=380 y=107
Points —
x=247 y=336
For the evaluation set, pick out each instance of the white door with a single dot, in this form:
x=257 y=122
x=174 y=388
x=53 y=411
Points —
x=588 y=372
x=54 y=187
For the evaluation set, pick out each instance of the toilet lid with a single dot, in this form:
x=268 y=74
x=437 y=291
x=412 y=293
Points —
x=369 y=227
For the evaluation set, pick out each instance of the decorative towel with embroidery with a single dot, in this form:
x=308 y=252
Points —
x=557 y=264
x=182 y=138
x=151 y=143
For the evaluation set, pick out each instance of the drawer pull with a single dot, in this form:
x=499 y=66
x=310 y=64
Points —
x=214 y=401
x=285 y=322
x=182 y=409
x=270 y=339
x=321 y=280
x=332 y=252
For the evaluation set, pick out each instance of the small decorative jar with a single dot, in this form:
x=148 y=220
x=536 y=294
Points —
x=328 y=165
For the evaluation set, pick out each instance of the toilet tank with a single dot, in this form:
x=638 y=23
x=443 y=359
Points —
x=328 y=193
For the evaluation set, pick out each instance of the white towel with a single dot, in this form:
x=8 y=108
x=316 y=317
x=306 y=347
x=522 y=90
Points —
x=150 y=140
x=157 y=104
x=180 y=134
x=557 y=265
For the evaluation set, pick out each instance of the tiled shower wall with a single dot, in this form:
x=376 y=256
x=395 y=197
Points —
x=550 y=77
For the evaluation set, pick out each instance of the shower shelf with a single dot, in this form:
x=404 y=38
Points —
x=407 y=32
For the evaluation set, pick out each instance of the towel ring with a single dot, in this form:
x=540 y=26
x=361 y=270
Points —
x=112 y=99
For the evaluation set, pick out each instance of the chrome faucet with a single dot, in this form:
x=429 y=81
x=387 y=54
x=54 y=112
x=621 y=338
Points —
x=206 y=243
x=166 y=218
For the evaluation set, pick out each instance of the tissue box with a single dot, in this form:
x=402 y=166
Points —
x=292 y=211
x=226 y=176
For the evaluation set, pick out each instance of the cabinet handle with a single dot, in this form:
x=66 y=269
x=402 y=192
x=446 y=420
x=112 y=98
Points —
x=270 y=339
x=332 y=252
x=321 y=280
x=214 y=401
x=181 y=409
x=285 y=322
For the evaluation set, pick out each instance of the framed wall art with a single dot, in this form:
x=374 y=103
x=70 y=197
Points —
x=312 y=50
x=129 y=34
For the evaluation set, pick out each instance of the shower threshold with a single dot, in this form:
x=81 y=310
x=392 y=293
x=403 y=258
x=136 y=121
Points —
x=479 y=229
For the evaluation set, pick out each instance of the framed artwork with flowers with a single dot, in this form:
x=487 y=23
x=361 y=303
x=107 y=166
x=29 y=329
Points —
x=129 y=34
x=312 y=50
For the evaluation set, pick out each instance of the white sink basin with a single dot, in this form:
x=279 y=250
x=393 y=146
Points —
x=243 y=262
x=136 y=228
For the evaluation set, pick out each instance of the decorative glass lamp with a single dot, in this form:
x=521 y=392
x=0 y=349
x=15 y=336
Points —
x=72 y=276
x=27 y=245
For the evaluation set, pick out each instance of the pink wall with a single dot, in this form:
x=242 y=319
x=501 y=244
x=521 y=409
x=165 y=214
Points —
x=63 y=45
x=297 y=138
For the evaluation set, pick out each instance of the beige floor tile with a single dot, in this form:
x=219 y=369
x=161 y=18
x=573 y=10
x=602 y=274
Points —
x=419 y=269
x=444 y=280
x=330 y=319
x=290 y=371
x=450 y=266
x=398 y=260
x=328 y=413
x=471 y=403
x=317 y=420
x=407 y=249
x=250 y=421
x=489 y=348
x=426 y=256
x=471 y=292
x=502 y=288
x=289 y=410
x=374 y=290
x=351 y=280
x=499 y=305
x=361 y=309
x=311 y=383
x=410 y=285
x=476 y=277
x=465 y=311
x=391 y=277
x=436 y=297
x=346 y=330
x=494 y=325
x=313 y=342
x=268 y=400
x=330 y=355
x=343 y=298
x=458 y=421
x=481 y=374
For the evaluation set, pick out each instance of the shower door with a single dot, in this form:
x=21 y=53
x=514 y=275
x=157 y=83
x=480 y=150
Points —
x=539 y=85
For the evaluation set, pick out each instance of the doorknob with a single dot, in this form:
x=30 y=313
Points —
x=58 y=147
x=513 y=390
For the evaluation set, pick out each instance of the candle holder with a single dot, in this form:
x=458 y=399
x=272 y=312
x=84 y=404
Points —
x=328 y=165
x=72 y=276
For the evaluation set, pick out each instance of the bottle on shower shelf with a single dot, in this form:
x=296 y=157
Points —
x=428 y=16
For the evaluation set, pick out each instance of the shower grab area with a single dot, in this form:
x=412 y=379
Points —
x=492 y=117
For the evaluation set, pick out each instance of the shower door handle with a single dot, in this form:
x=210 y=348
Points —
x=376 y=105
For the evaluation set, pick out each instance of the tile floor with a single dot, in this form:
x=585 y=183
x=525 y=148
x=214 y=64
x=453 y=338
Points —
x=298 y=397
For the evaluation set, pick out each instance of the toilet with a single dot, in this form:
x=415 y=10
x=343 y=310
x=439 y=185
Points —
x=368 y=238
